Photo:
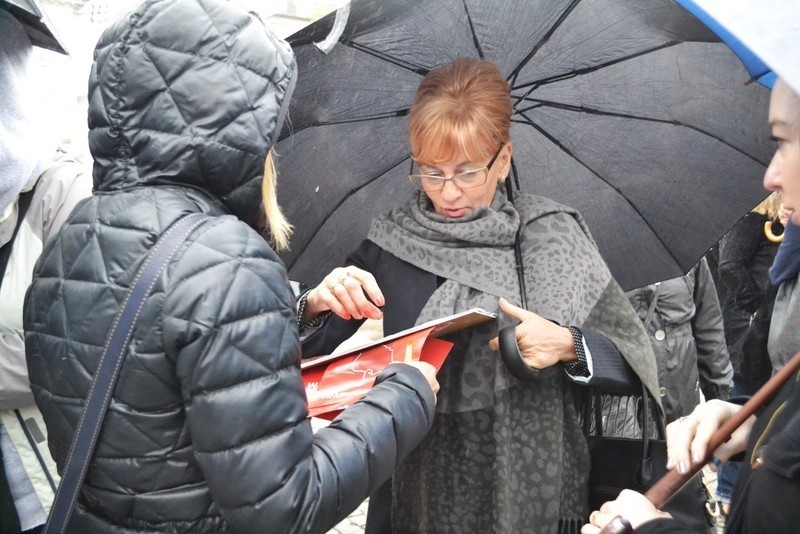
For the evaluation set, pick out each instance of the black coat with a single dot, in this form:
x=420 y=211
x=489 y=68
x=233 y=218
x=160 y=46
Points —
x=745 y=256
x=207 y=430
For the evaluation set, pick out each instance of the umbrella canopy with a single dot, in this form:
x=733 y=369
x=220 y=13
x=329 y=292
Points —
x=36 y=24
x=632 y=112
x=763 y=34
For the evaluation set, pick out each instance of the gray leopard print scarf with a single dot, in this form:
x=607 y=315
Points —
x=505 y=456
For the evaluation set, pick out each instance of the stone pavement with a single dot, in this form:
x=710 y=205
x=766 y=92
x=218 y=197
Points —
x=354 y=523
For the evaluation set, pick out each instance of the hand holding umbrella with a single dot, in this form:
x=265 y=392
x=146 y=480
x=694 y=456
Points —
x=542 y=343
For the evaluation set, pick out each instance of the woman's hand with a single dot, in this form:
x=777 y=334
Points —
x=429 y=371
x=688 y=437
x=347 y=292
x=542 y=343
x=629 y=504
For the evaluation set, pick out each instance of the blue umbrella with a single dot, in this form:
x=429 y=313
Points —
x=762 y=34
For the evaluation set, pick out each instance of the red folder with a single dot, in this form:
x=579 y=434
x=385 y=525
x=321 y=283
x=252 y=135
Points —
x=336 y=381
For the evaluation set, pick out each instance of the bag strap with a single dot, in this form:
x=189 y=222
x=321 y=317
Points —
x=23 y=204
x=652 y=309
x=85 y=439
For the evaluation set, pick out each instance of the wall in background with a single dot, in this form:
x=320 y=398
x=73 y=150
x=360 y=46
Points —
x=79 y=23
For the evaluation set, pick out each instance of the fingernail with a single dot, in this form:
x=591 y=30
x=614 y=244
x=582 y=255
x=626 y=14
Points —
x=682 y=468
x=697 y=457
x=670 y=463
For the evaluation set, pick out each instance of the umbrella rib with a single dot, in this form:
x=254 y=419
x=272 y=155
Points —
x=475 y=40
x=366 y=118
x=416 y=69
x=587 y=70
x=594 y=111
x=546 y=37
x=345 y=198
x=572 y=155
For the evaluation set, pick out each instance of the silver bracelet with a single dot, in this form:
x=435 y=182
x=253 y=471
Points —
x=301 y=308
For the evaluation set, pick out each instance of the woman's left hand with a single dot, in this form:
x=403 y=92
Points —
x=542 y=343
x=633 y=506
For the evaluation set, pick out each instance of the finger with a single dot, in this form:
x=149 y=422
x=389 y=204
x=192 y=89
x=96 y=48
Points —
x=600 y=519
x=429 y=371
x=358 y=284
x=369 y=284
x=733 y=445
x=680 y=436
x=343 y=294
x=705 y=428
x=513 y=311
x=494 y=344
x=328 y=295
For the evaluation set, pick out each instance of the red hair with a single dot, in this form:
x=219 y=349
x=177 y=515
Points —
x=462 y=107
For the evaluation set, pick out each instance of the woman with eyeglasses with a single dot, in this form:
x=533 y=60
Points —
x=506 y=452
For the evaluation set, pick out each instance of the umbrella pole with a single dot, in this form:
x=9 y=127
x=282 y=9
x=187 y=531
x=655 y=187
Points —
x=523 y=293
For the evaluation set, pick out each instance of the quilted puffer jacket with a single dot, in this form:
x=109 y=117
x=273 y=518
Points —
x=207 y=430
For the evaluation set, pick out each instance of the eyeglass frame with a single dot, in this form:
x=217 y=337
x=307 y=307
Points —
x=418 y=182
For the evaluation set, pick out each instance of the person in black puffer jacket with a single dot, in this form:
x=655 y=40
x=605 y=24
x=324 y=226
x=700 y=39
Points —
x=207 y=430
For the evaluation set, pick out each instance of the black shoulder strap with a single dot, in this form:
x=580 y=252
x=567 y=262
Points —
x=23 y=204
x=85 y=439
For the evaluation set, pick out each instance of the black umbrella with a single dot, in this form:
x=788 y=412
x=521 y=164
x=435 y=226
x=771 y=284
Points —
x=36 y=24
x=632 y=112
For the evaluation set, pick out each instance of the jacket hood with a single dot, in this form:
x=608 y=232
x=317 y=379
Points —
x=192 y=93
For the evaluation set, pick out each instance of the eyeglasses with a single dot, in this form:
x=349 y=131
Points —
x=462 y=180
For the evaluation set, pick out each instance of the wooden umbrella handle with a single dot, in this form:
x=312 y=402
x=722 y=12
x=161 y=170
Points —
x=660 y=492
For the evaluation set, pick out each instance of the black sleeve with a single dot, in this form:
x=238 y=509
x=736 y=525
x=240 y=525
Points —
x=610 y=371
x=736 y=252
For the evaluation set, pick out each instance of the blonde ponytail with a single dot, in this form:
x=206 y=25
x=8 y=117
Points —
x=279 y=227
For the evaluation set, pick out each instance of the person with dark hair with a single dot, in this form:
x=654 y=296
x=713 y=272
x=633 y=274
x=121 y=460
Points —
x=207 y=428
x=506 y=452
x=768 y=487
